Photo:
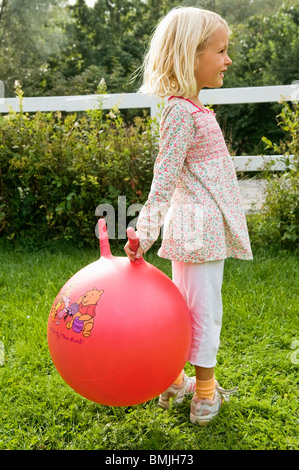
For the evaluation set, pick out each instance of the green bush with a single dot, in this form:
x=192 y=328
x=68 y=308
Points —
x=55 y=170
x=280 y=215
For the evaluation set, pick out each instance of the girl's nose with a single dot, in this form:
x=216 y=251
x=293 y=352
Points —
x=228 y=60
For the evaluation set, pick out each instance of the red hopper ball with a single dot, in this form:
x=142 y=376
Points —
x=119 y=332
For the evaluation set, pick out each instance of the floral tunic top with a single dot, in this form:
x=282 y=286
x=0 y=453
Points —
x=194 y=191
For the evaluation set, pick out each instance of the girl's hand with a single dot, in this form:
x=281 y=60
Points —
x=131 y=254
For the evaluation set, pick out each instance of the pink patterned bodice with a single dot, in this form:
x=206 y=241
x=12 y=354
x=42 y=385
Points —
x=194 y=191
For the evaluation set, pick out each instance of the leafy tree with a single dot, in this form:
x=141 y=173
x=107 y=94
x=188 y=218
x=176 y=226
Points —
x=238 y=11
x=30 y=31
x=107 y=41
x=265 y=51
x=57 y=49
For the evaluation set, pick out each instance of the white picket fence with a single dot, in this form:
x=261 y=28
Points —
x=137 y=100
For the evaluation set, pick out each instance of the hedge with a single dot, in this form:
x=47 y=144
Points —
x=57 y=170
x=58 y=174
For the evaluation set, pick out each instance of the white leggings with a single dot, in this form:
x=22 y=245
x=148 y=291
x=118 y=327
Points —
x=200 y=284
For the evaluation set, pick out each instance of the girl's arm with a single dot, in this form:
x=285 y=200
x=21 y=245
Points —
x=176 y=134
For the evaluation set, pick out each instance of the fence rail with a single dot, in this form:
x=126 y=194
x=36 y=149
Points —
x=265 y=94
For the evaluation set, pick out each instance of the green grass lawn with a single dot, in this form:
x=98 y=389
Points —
x=260 y=328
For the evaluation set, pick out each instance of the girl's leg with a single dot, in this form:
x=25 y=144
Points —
x=204 y=373
x=201 y=285
x=205 y=382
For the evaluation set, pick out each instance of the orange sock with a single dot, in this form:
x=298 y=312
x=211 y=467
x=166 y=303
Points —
x=179 y=379
x=205 y=388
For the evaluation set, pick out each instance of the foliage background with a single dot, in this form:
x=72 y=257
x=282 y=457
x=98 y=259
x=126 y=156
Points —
x=54 y=48
x=56 y=171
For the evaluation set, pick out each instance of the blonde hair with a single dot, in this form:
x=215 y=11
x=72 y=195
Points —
x=168 y=67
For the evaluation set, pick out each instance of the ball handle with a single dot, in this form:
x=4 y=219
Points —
x=134 y=243
x=103 y=237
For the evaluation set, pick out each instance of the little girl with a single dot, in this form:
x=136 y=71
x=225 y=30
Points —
x=194 y=191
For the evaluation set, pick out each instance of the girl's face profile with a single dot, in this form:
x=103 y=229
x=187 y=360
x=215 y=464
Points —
x=212 y=63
